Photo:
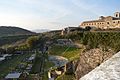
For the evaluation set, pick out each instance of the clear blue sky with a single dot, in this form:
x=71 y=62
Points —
x=53 y=14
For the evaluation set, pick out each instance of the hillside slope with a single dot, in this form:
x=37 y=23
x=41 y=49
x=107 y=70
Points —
x=10 y=31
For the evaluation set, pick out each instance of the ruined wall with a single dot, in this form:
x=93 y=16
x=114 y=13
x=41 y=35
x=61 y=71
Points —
x=90 y=60
x=109 y=70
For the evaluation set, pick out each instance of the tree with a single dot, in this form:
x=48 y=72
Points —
x=2 y=51
x=10 y=50
x=32 y=41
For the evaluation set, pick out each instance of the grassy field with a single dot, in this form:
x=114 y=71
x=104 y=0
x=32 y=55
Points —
x=37 y=63
x=71 y=53
x=57 y=50
x=66 y=77
x=9 y=65
x=47 y=65
x=37 y=66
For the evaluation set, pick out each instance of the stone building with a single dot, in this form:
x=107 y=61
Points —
x=104 y=22
x=68 y=30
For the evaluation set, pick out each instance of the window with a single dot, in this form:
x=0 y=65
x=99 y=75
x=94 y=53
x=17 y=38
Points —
x=108 y=23
x=113 y=22
x=116 y=15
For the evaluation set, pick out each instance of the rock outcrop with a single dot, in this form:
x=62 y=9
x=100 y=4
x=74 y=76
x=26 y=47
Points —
x=90 y=60
x=109 y=70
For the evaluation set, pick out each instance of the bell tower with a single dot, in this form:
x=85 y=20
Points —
x=117 y=14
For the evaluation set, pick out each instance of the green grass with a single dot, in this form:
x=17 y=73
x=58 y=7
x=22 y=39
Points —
x=45 y=76
x=10 y=65
x=66 y=77
x=48 y=64
x=57 y=50
x=71 y=53
x=36 y=65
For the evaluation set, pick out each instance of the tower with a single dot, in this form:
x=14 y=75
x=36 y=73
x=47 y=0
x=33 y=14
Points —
x=117 y=14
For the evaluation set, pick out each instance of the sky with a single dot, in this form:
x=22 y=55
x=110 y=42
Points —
x=53 y=14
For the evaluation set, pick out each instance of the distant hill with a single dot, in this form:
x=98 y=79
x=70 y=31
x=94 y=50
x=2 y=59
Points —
x=13 y=31
x=41 y=30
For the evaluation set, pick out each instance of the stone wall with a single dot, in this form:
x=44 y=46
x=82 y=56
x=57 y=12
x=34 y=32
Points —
x=109 y=70
x=90 y=60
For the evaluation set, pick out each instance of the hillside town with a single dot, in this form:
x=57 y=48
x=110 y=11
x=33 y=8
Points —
x=67 y=54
